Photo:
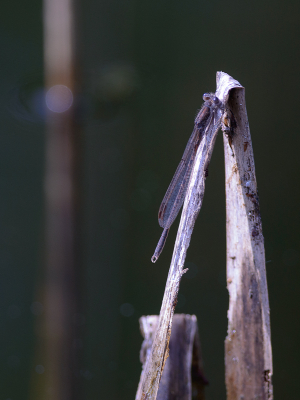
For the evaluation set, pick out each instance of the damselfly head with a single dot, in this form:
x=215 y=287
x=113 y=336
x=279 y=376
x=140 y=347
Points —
x=211 y=98
x=207 y=96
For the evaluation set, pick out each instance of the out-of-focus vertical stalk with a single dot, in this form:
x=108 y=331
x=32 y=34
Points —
x=62 y=203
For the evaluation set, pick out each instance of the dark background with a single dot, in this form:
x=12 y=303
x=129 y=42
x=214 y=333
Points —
x=145 y=66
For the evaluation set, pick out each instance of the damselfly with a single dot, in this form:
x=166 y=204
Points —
x=207 y=119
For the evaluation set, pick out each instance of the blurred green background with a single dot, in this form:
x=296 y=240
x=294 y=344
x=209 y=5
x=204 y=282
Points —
x=145 y=66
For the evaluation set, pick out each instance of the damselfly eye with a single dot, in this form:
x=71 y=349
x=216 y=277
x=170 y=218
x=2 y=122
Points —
x=206 y=96
x=216 y=100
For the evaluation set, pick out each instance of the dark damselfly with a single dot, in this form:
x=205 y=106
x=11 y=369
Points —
x=208 y=119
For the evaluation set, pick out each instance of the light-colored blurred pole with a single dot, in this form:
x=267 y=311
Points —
x=62 y=204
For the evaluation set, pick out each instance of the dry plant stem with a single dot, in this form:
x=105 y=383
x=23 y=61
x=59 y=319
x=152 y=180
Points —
x=192 y=204
x=248 y=354
x=248 y=347
x=183 y=372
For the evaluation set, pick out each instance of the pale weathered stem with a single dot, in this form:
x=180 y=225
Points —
x=248 y=346
x=248 y=354
x=183 y=372
x=193 y=201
